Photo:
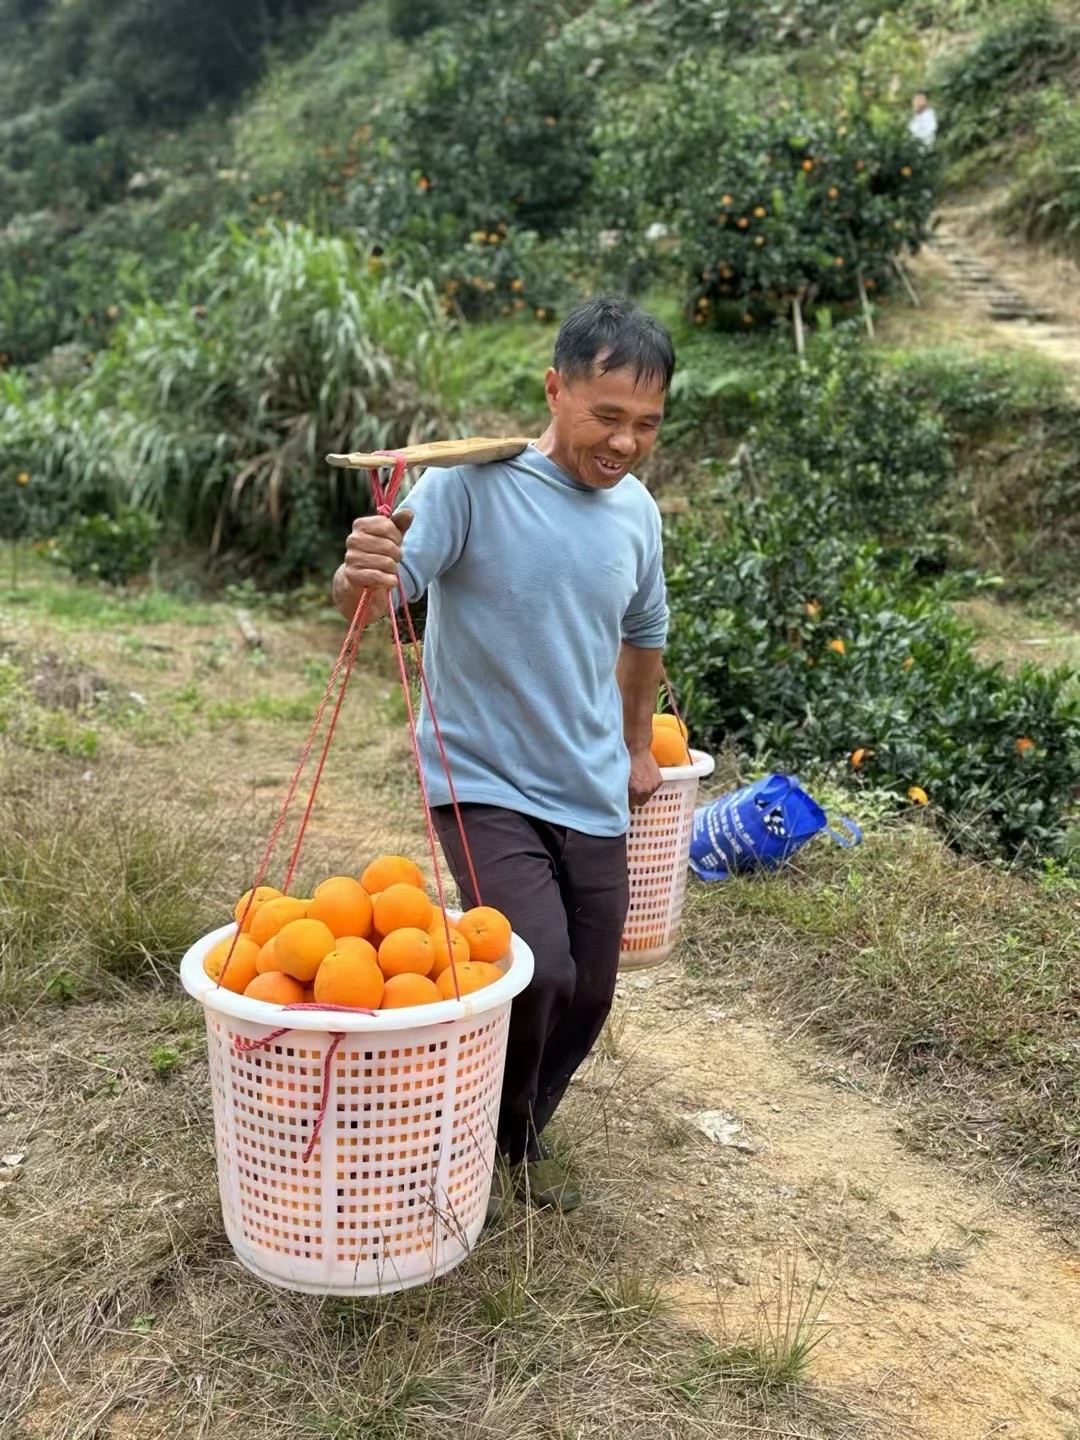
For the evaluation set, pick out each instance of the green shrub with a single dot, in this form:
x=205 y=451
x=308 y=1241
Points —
x=1014 y=429
x=844 y=415
x=1044 y=204
x=986 y=92
x=409 y=18
x=796 y=642
x=112 y=548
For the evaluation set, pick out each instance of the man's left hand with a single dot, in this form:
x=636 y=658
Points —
x=645 y=778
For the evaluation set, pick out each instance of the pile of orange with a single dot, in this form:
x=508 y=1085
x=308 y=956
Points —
x=377 y=943
x=669 y=741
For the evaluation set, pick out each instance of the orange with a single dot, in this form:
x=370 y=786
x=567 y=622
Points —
x=668 y=747
x=262 y=894
x=300 y=946
x=673 y=721
x=407 y=951
x=459 y=947
x=274 y=914
x=357 y=945
x=472 y=975
x=266 y=960
x=309 y=992
x=275 y=988
x=409 y=989
x=345 y=978
x=391 y=870
x=242 y=967
x=401 y=907
x=343 y=904
x=487 y=931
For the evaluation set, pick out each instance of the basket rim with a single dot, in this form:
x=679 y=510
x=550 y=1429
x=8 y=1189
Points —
x=408 y=1017
x=703 y=765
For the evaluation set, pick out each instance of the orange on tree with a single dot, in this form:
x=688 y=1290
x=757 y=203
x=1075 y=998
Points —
x=275 y=914
x=300 y=947
x=266 y=960
x=471 y=976
x=241 y=969
x=407 y=989
x=487 y=932
x=275 y=988
x=346 y=978
x=401 y=907
x=391 y=870
x=258 y=898
x=343 y=904
x=407 y=951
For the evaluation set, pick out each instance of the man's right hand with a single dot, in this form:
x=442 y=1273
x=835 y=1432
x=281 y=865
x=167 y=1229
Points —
x=372 y=557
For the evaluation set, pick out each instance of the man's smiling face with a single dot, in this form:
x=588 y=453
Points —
x=604 y=424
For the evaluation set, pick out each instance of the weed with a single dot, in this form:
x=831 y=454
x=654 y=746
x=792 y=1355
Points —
x=164 y=1060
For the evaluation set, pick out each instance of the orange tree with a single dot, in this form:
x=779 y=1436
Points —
x=798 y=205
x=496 y=129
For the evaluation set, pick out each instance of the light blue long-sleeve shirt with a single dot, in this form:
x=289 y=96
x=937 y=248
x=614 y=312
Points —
x=533 y=582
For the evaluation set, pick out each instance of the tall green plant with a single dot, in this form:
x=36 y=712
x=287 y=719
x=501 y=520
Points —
x=215 y=412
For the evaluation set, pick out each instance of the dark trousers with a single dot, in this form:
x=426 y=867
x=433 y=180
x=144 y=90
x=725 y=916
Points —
x=566 y=894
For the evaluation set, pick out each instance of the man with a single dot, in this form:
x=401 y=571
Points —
x=546 y=622
x=923 y=123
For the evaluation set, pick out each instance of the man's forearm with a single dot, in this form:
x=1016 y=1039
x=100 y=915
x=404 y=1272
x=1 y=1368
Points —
x=638 y=674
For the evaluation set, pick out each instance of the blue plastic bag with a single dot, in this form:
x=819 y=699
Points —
x=758 y=828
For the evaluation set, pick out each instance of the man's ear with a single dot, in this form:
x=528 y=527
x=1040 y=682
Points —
x=553 y=384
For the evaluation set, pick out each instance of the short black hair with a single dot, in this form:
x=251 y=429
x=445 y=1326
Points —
x=618 y=333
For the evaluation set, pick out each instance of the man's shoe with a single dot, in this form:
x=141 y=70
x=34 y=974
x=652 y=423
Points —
x=501 y=1194
x=547 y=1183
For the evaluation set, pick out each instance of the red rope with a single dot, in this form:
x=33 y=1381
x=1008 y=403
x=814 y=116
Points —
x=355 y=627
x=675 y=711
x=363 y=606
x=384 y=499
x=442 y=753
x=336 y=1037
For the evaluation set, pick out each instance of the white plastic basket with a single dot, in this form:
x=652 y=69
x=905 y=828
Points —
x=658 y=855
x=396 y=1189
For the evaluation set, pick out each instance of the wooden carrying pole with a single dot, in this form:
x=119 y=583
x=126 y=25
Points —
x=476 y=451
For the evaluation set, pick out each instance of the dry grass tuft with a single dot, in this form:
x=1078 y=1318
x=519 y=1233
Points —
x=98 y=889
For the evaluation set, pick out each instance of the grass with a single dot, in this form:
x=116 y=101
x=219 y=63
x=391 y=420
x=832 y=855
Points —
x=777 y=1355
x=1009 y=634
x=555 y=1325
x=97 y=893
x=955 y=979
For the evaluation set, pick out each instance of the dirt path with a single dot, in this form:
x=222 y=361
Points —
x=942 y=1313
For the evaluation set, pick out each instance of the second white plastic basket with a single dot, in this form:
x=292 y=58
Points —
x=396 y=1189
x=658 y=855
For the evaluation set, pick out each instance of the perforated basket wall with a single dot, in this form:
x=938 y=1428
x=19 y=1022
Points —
x=658 y=855
x=396 y=1189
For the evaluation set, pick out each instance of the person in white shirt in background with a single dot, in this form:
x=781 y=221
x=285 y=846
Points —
x=923 y=124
